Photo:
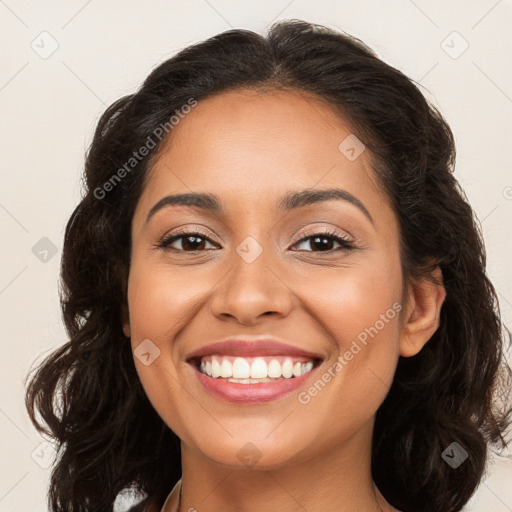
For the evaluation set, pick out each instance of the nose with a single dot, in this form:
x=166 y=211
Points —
x=252 y=289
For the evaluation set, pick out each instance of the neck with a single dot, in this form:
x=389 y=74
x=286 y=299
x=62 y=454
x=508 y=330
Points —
x=337 y=480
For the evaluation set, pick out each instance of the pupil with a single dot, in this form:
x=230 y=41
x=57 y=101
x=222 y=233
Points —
x=322 y=240
x=196 y=240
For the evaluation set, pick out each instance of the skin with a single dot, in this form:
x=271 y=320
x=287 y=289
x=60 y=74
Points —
x=251 y=148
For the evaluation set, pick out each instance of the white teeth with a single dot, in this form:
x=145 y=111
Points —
x=287 y=369
x=260 y=370
x=274 y=369
x=215 y=368
x=241 y=369
x=226 y=369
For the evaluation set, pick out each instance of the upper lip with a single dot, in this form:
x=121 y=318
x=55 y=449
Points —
x=251 y=347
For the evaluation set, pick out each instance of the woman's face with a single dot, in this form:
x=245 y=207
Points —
x=263 y=271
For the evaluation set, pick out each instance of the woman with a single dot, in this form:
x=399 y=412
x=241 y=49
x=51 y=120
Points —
x=275 y=293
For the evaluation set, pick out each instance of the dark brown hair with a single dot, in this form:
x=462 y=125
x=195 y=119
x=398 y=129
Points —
x=108 y=433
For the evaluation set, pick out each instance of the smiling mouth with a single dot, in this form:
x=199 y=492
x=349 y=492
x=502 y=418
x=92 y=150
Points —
x=254 y=370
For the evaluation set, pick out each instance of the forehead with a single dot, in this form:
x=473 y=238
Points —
x=284 y=125
x=250 y=147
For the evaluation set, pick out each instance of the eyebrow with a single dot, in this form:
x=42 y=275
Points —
x=291 y=201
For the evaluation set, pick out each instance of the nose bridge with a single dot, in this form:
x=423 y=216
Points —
x=253 y=286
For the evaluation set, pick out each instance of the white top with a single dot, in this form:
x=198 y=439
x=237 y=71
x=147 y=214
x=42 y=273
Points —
x=173 y=500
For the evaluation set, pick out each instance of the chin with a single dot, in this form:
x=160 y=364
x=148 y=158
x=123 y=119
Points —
x=258 y=453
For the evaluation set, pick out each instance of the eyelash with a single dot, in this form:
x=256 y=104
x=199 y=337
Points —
x=346 y=245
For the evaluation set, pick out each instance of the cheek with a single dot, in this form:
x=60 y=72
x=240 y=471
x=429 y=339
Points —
x=161 y=301
x=162 y=304
x=360 y=310
x=352 y=301
x=364 y=310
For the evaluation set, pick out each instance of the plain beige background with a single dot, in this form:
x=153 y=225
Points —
x=63 y=63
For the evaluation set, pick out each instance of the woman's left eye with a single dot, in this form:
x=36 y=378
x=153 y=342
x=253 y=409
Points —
x=196 y=241
x=325 y=239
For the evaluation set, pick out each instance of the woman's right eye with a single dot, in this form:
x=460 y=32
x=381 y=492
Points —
x=194 y=240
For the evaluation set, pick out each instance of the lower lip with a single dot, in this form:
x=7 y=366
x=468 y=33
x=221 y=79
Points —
x=251 y=393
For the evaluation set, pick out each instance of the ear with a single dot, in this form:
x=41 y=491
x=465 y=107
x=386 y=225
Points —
x=421 y=315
